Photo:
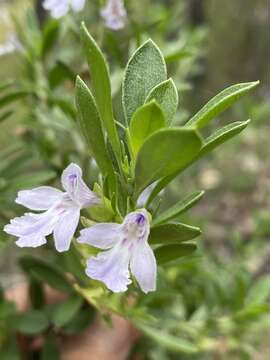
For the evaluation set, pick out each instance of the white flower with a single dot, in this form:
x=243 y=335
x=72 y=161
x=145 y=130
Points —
x=59 y=8
x=61 y=215
x=11 y=45
x=127 y=250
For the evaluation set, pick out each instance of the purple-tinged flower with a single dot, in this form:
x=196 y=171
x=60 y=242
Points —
x=114 y=14
x=11 y=45
x=127 y=250
x=61 y=211
x=59 y=8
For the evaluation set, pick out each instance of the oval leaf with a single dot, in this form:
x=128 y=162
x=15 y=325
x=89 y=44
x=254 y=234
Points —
x=177 y=209
x=167 y=253
x=90 y=124
x=164 y=153
x=166 y=96
x=31 y=323
x=80 y=322
x=100 y=81
x=219 y=103
x=144 y=71
x=172 y=233
x=64 y=312
x=145 y=121
x=45 y=273
x=217 y=138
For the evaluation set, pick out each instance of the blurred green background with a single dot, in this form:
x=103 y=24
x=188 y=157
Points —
x=209 y=45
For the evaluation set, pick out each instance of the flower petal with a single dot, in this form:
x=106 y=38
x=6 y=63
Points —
x=65 y=228
x=76 y=188
x=40 y=198
x=111 y=267
x=49 y=4
x=57 y=8
x=143 y=266
x=114 y=14
x=77 y=5
x=31 y=241
x=101 y=236
x=32 y=224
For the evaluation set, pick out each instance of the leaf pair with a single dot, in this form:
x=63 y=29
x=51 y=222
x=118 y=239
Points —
x=95 y=111
x=171 y=235
x=212 y=109
x=149 y=100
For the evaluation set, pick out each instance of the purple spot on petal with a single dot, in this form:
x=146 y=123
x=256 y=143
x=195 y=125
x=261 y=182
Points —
x=140 y=219
x=72 y=177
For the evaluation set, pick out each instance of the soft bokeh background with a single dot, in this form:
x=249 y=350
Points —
x=219 y=43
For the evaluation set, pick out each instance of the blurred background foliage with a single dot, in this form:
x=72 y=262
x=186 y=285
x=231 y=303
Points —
x=216 y=303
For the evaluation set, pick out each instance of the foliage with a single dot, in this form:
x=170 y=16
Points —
x=138 y=136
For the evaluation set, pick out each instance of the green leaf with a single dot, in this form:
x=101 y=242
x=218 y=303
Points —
x=31 y=179
x=59 y=73
x=36 y=294
x=9 y=349
x=101 y=86
x=217 y=138
x=145 y=121
x=64 y=103
x=145 y=69
x=90 y=124
x=11 y=97
x=167 y=253
x=252 y=312
x=7 y=309
x=46 y=273
x=50 y=349
x=31 y=323
x=81 y=321
x=220 y=103
x=170 y=342
x=166 y=96
x=177 y=209
x=49 y=36
x=65 y=311
x=176 y=55
x=259 y=292
x=222 y=135
x=5 y=115
x=172 y=233
x=164 y=153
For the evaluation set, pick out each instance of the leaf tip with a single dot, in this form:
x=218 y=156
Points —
x=83 y=26
x=78 y=81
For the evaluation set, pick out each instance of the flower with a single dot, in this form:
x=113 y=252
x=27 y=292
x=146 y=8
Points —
x=62 y=211
x=126 y=248
x=11 y=45
x=114 y=14
x=59 y=8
